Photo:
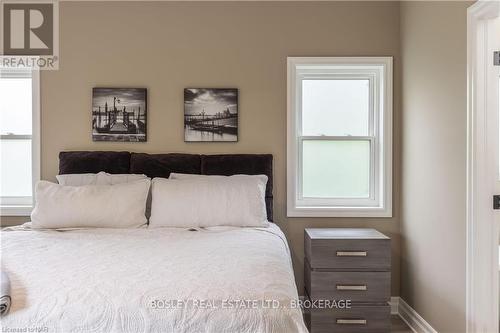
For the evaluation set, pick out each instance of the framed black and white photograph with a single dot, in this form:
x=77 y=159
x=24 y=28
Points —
x=210 y=115
x=119 y=114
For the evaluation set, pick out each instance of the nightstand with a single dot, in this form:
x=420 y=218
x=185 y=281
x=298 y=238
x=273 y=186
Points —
x=348 y=264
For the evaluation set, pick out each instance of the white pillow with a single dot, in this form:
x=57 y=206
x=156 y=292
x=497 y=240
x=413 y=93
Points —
x=77 y=179
x=209 y=201
x=100 y=206
x=104 y=178
x=101 y=178
x=181 y=176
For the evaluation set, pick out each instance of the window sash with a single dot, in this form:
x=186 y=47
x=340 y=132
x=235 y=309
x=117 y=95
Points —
x=16 y=137
x=372 y=78
x=16 y=201
x=16 y=73
x=371 y=200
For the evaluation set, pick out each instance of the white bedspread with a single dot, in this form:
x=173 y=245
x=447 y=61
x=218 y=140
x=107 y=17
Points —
x=105 y=280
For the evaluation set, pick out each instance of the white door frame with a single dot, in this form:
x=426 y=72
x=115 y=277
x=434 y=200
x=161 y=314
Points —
x=482 y=229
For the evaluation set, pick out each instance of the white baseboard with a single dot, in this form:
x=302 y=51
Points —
x=410 y=316
x=394 y=305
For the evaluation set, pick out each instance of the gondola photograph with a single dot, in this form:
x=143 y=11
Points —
x=210 y=115
x=119 y=114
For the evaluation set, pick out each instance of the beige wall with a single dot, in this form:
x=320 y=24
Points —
x=167 y=46
x=433 y=48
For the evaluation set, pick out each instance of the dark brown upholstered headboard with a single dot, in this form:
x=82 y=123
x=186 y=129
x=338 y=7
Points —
x=161 y=165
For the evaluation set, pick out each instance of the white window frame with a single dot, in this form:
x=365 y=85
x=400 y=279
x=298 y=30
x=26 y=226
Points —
x=22 y=206
x=378 y=70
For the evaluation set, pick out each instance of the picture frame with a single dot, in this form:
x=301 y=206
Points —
x=211 y=114
x=119 y=114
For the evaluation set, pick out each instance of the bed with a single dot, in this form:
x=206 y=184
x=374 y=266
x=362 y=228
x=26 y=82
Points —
x=220 y=279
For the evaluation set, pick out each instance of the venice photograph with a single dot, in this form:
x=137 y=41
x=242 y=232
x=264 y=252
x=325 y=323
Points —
x=210 y=115
x=119 y=114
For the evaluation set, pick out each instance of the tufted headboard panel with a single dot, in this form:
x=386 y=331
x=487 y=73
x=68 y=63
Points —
x=161 y=165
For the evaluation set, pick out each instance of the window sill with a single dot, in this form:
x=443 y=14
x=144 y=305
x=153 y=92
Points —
x=339 y=212
x=13 y=210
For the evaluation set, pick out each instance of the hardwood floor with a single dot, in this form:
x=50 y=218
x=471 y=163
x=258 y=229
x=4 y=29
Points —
x=399 y=326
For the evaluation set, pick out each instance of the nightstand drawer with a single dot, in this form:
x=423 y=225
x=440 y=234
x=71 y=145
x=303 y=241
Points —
x=357 y=319
x=348 y=254
x=365 y=287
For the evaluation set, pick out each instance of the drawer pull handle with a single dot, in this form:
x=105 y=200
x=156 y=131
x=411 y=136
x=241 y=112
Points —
x=351 y=287
x=352 y=253
x=351 y=321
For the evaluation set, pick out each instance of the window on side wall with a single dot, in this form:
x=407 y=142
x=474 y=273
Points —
x=339 y=145
x=19 y=140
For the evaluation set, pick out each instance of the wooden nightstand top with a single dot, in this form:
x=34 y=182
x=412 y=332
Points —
x=344 y=233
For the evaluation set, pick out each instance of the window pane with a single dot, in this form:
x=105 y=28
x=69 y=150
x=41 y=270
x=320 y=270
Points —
x=336 y=169
x=15 y=168
x=335 y=107
x=15 y=106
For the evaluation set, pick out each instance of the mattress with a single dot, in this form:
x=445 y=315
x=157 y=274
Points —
x=150 y=280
